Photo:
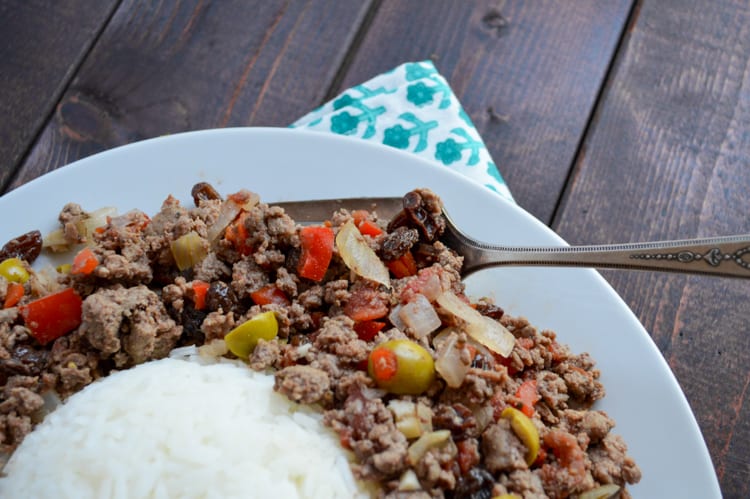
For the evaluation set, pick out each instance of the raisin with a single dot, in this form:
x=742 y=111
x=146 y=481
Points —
x=397 y=243
x=221 y=296
x=476 y=484
x=203 y=191
x=26 y=247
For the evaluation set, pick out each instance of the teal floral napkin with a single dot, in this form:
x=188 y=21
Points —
x=412 y=108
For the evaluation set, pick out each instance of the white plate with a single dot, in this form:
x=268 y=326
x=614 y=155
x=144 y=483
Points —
x=280 y=164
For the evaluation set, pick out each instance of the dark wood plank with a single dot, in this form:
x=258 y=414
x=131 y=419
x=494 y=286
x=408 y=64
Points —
x=667 y=157
x=528 y=74
x=41 y=44
x=171 y=66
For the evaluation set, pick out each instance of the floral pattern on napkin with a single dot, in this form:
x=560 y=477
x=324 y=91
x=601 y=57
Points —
x=411 y=108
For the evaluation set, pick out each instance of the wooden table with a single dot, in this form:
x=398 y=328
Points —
x=612 y=121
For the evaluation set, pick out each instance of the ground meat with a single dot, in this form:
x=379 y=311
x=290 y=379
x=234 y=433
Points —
x=336 y=292
x=595 y=425
x=265 y=355
x=457 y=418
x=286 y=282
x=216 y=325
x=211 y=269
x=476 y=484
x=523 y=483
x=302 y=383
x=502 y=449
x=71 y=217
x=247 y=277
x=366 y=426
x=130 y=324
x=338 y=337
x=553 y=390
x=435 y=469
x=19 y=402
x=611 y=464
x=582 y=384
x=311 y=298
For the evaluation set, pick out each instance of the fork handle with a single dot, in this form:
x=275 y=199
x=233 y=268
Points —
x=727 y=256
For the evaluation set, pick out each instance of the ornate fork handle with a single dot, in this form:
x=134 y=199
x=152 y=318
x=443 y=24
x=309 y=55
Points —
x=719 y=256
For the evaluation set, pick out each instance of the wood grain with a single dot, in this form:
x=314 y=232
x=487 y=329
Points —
x=528 y=74
x=171 y=66
x=42 y=45
x=667 y=158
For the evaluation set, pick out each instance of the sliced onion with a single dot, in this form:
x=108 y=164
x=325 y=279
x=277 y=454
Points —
x=188 y=250
x=603 y=492
x=227 y=213
x=426 y=442
x=484 y=330
x=448 y=363
x=420 y=316
x=214 y=349
x=359 y=257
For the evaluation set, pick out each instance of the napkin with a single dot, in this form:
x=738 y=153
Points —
x=411 y=108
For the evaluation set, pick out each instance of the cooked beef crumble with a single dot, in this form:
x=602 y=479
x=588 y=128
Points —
x=457 y=435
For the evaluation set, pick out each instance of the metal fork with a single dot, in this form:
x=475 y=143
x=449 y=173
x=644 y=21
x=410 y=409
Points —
x=717 y=256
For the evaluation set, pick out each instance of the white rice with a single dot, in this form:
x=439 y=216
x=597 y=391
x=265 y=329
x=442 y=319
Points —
x=173 y=428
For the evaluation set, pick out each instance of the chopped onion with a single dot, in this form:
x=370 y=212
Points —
x=419 y=316
x=603 y=492
x=96 y=219
x=359 y=257
x=227 y=213
x=432 y=288
x=449 y=364
x=55 y=241
x=214 y=349
x=409 y=482
x=395 y=318
x=484 y=330
x=411 y=419
x=188 y=250
x=426 y=442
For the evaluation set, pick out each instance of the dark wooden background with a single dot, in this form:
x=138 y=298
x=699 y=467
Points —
x=613 y=121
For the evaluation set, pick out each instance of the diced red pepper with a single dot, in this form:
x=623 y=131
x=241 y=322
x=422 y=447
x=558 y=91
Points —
x=367 y=330
x=236 y=233
x=528 y=395
x=365 y=304
x=367 y=228
x=84 y=262
x=384 y=364
x=540 y=457
x=358 y=216
x=14 y=294
x=200 y=290
x=404 y=266
x=317 y=251
x=52 y=316
x=269 y=294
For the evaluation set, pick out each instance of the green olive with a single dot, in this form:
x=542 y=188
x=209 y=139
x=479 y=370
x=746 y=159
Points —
x=242 y=340
x=13 y=270
x=401 y=367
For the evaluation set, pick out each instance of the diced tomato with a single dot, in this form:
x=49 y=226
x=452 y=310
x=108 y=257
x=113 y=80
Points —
x=84 y=262
x=269 y=294
x=236 y=233
x=367 y=228
x=468 y=456
x=506 y=361
x=528 y=395
x=367 y=330
x=14 y=294
x=365 y=304
x=404 y=266
x=200 y=290
x=540 y=457
x=52 y=316
x=317 y=251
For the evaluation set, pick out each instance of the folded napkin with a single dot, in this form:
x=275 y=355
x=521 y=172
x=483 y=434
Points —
x=412 y=108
